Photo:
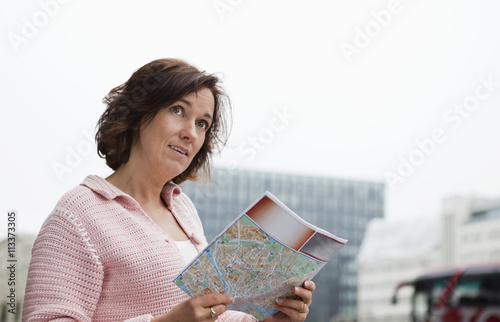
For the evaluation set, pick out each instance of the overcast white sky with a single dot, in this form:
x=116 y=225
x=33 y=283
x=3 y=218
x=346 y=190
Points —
x=332 y=88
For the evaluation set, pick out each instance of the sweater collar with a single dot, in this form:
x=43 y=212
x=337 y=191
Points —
x=109 y=191
x=170 y=190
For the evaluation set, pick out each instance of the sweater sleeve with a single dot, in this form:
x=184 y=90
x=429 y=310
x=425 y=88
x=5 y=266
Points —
x=234 y=316
x=65 y=275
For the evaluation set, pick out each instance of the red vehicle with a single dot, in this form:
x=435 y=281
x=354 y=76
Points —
x=458 y=294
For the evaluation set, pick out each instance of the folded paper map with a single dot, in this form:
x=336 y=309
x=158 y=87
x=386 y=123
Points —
x=260 y=257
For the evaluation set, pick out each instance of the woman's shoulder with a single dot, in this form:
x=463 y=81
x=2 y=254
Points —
x=77 y=195
x=90 y=195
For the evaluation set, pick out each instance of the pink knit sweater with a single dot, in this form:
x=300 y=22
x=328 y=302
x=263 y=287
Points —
x=99 y=257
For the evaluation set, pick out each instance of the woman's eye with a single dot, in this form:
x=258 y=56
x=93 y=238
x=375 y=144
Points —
x=177 y=110
x=202 y=124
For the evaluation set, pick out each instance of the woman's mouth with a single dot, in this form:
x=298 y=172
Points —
x=181 y=150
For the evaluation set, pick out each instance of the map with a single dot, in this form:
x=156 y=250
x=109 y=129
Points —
x=248 y=264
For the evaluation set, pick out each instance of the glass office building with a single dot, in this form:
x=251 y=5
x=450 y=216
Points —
x=342 y=207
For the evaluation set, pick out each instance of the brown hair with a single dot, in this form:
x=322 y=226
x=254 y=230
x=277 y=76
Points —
x=152 y=87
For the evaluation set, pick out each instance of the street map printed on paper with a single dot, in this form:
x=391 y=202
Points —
x=248 y=264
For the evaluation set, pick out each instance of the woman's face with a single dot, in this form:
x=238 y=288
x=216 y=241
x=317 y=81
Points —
x=169 y=142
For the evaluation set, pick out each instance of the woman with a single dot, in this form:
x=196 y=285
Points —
x=111 y=247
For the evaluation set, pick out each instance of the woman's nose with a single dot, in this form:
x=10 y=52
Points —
x=189 y=131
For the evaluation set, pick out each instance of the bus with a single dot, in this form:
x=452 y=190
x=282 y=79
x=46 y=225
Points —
x=456 y=294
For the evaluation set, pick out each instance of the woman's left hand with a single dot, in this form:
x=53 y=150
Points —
x=294 y=310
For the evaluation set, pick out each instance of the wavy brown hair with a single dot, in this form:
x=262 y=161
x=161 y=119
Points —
x=151 y=88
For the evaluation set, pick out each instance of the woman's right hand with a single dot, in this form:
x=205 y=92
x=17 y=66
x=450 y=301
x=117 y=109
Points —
x=197 y=309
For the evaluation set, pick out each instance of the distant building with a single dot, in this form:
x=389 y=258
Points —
x=342 y=207
x=392 y=253
x=467 y=232
x=471 y=230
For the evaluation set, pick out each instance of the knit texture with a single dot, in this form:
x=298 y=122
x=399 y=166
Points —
x=99 y=257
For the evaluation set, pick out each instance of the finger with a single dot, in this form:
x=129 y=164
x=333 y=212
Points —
x=292 y=313
x=213 y=313
x=308 y=284
x=218 y=309
x=211 y=300
x=296 y=305
x=304 y=294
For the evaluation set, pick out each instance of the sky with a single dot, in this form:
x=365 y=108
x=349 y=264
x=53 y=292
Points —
x=404 y=92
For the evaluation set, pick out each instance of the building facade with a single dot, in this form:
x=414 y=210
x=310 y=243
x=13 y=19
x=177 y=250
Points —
x=467 y=232
x=471 y=230
x=390 y=254
x=342 y=207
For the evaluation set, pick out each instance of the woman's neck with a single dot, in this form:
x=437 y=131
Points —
x=139 y=184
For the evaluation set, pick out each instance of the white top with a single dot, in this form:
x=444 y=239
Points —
x=187 y=250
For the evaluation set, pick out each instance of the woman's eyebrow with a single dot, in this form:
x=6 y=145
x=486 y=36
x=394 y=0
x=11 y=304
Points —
x=186 y=101
x=190 y=105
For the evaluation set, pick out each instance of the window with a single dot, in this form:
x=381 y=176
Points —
x=475 y=291
x=420 y=306
x=438 y=288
